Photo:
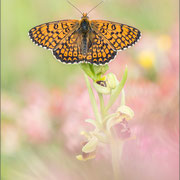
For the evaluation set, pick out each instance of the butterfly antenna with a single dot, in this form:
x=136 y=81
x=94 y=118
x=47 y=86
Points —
x=74 y=6
x=95 y=7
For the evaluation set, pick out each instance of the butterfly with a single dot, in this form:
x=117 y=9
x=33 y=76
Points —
x=84 y=41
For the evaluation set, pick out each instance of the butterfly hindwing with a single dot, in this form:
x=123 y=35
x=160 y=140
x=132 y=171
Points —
x=120 y=36
x=68 y=50
x=100 y=51
x=49 y=35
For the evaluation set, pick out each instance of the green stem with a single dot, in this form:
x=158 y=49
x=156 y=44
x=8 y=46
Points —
x=115 y=165
x=93 y=101
x=116 y=151
x=101 y=100
x=117 y=91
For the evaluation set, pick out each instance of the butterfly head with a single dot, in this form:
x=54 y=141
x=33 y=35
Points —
x=85 y=16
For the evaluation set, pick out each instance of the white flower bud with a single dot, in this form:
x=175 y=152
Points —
x=111 y=80
x=126 y=111
x=102 y=87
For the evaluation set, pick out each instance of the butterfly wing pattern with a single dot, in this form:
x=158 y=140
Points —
x=68 y=51
x=65 y=39
x=49 y=35
x=120 y=36
x=100 y=51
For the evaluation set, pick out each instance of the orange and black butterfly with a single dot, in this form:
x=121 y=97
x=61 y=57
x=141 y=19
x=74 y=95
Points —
x=84 y=41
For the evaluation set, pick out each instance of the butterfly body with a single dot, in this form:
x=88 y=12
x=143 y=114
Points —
x=84 y=41
x=84 y=24
x=84 y=32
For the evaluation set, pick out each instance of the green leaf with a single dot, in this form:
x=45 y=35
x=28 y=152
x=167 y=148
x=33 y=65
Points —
x=100 y=70
x=88 y=69
x=117 y=90
x=94 y=72
x=112 y=80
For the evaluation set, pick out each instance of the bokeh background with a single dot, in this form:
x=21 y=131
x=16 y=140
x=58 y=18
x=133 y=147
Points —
x=45 y=103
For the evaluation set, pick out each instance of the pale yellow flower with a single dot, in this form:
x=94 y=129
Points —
x=146 y=59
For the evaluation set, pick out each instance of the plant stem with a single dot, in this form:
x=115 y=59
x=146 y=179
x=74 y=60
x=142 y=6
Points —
x=116 y=151
x=115 y=161
x=102 y=109
x=93 y=101
x=116 y=147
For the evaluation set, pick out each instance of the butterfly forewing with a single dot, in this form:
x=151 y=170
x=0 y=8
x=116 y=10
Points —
x=120 y=36
x=49 y=35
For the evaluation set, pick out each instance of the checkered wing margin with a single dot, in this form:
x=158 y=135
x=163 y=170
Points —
x=49 y=35
x=119 y=36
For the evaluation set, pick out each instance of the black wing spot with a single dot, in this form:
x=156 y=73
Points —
x=55 y=26
x=113 y=27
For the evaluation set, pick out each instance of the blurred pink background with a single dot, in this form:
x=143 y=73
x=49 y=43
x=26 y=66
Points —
x=45 y=103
